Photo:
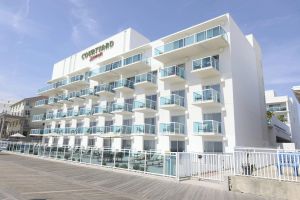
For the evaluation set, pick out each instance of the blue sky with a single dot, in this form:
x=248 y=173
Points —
x=34 y=34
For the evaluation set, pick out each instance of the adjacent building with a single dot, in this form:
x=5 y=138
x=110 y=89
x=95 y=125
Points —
x=285 y=110
x=19 y=117
x=5 y=105
x=200 y=89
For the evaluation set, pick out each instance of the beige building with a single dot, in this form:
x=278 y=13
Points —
x=18 y=119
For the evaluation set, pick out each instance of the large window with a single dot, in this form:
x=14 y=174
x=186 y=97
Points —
x=91 y=142
x=177 y=146
x=66 y=141
x=149 y=145
x=213 y=147
x=126 y=144
x=77 y=141
x=55 y=141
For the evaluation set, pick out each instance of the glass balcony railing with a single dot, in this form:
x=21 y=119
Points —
x=40 y=117
x=49 y=116
x=123 y=129
x=60 y=115
x=132 y=59
x=52 y=86
x=52 y=100
x=123 y=83
x=203 y=63
x=143 y=129
x=207 y=95
x=72 y=113
x=76 y=78
x=108 y=87
x=172 y=99
x=101 y=110
x=177 y=70
x=74 y=94
x=144 y=103
x=82 y=130
x=87 y=92
x=62 y=97
x=171 y=128
x=69 y=130
x=37 y=131
x=276 y=108
x=207 y=126
x=84 y=112
x=120 y=107
x=99 y=129
x=193 y=39
x=106 y=68
x=41 y=102
x=147 y=77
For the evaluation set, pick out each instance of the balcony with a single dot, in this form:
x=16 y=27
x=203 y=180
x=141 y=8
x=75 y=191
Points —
x=105 y=72
x=69 y=131
x=49 y=116
x=118 y=131
x=171 y=128
x=123 y=85
x=37 y=132
x=99 y=130
x=133 y=64
x=84 y=112
x=211 y=39
x=145 y=81
x=75 y=82
x=82 y=130
x=59 y=115
x=144 y=106
x=207 y=128
x=277 y=108
x=38 y=118
x=63 y=99
x=103 y=111
x=172 y=102
x=122 y=108
x=206 y=67
x=52 y=89
x=52 y=101
x=88 y=93
x=71 y=113
x=173 y=74
x=75 y=96
x=105 y=90
x=43 y=103
x=207 y=98
x=143 y=129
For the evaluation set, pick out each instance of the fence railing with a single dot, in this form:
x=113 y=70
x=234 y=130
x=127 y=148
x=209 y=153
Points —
x=276 y=164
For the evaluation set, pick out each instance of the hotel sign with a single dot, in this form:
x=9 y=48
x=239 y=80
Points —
x=97 y=52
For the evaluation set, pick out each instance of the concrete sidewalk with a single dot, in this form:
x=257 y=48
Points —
x=23 y=177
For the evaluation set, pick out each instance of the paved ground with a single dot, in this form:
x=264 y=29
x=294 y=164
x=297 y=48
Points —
x=23 y=177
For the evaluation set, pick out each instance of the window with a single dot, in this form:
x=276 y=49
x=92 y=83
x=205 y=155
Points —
x=107 y=143
x=66 y=141
x=91 y=142
x=77 y=141
x=149 y=145
x=126 y=144
x=55 y=141
x=177 y=146
x=212 y=116
x=151 y=121
x=213 y=147
x=46 y=140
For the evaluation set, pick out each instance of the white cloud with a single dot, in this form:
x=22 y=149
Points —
x=84 y=24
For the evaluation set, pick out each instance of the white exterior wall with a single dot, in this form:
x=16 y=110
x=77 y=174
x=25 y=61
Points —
x=241 y=77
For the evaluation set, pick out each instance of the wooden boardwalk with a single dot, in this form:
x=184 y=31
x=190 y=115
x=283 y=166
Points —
x=23 y=177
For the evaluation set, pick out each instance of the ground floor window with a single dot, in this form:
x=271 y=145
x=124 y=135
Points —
x=77 y=141
x=107 y=143
x=216 y=147
x=177 y=146
x=149 y=145
x=55 y=141
x=46 y=140
x=91 y=142
x=66 y=141
x=126 y=144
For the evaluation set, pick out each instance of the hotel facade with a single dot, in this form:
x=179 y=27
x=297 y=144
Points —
x=200 y=89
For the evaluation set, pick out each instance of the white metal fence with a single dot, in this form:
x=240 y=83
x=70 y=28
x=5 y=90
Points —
x=255 y=162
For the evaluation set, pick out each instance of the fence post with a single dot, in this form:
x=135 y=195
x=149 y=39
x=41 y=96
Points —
x=145 y=163
x=177 y=166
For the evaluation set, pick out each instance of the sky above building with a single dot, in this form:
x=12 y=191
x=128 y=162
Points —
x=34 y=34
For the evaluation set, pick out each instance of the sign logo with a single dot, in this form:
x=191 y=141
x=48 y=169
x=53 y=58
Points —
x=97 y=52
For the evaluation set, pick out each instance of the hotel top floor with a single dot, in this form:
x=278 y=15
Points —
x=130 y=52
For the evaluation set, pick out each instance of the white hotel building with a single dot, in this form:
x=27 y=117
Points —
x=199 y=89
